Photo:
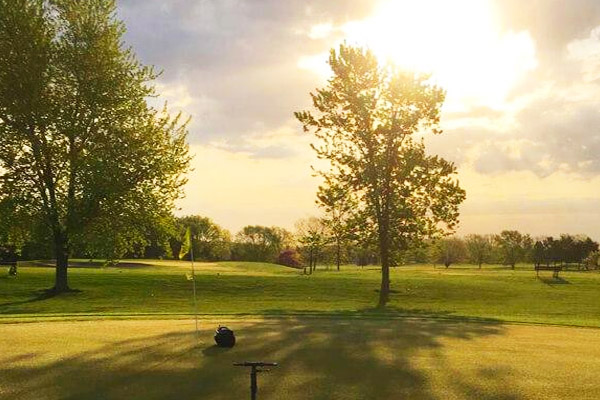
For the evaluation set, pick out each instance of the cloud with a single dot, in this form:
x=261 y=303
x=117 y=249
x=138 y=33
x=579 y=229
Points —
x=549 y=125
x=586 y=52
x=241 y=68
x=552 y=23
x=239 y=56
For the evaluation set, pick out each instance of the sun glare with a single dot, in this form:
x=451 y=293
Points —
x=459 y=42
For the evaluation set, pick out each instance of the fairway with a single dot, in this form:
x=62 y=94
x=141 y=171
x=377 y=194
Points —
x=163 y=288
x=319 y=359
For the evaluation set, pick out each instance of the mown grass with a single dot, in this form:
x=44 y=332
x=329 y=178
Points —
x=239 y=288
x=318 y=359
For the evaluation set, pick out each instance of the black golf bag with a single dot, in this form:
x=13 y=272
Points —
x=224 y=337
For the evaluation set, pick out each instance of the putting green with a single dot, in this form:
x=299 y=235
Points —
x=319 y=359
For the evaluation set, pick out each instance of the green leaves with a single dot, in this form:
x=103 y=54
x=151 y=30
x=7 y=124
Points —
x=208 y=240
x=366 y=122
x=81 y=147
x=260 y=243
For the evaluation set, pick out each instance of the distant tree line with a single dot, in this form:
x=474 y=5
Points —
x=511 y=247
x=327 y=242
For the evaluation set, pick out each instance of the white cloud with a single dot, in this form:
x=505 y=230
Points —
x=177 y=95
x=320 y=31
x=316 y=63
x=587 y=53
x=521 y=118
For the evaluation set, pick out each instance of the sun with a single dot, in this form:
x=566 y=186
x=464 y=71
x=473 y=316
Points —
x=460 y=42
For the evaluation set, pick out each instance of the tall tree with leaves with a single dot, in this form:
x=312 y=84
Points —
x=339 y=206
x=366 y=120
x=312 y=235
x=479 y=248
x=81 y=149
x=449 y=251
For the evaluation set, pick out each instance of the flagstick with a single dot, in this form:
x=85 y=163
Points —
x=194 y=286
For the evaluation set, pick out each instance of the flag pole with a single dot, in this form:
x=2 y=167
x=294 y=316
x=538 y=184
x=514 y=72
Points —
x=194 y=286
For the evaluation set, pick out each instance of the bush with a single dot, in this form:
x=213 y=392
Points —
x=289 y=258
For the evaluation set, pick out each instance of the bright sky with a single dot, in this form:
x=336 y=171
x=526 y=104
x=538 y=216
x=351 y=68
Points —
x=521 y=120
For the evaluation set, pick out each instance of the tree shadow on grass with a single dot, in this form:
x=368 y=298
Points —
x=378 y=313
x=89 y=264
x=40 y=295
x=554 y=281
x=318 y=359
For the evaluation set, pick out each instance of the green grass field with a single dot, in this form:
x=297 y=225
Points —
x=447 y=334
x=320 y=359
x=237 y=288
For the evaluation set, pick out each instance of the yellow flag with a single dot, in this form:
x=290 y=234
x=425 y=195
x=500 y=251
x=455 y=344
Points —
x=187 y=243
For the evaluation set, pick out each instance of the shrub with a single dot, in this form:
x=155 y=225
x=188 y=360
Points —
x=289 y=258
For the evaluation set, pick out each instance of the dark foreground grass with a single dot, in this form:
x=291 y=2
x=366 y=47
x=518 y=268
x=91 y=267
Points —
x=319 y=359
x=266 y=289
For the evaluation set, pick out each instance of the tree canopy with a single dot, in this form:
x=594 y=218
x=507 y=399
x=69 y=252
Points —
x=312 y=234
x=260 y=243
x=366 y=122
x=480 y=248
x=339 y=206
x=82 y=151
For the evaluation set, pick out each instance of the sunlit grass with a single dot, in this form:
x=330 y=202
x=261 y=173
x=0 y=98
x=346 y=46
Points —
x=239 y=288
x=318 y=359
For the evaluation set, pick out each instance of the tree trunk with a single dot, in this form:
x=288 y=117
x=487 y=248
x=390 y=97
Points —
x=384 y=292
x=337 y=255
x=62 y=262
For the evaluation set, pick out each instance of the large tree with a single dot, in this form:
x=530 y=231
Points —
x=366 y=121
x=80 y=148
